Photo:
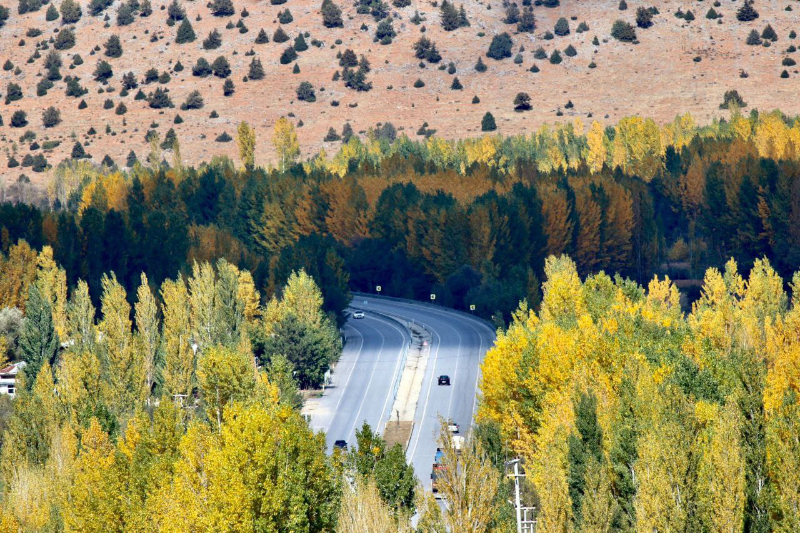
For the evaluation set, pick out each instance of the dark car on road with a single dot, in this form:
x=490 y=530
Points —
x=341 y=444
x=444 y=380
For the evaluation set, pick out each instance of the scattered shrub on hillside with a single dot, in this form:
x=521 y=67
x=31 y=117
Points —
x=125 y=14
x=51 y=117
x=527 y=22
x=644 y=17
x=349 y=58
x=425 y=49
x=193 y=101
x=65 y=39
x=769 y=33
x=570 y=51
x=220 y=67
x=113 y=47
x=555 y=57
x=213 y=41
x=622 y=31
x=747 y=12
x=103 y=71
x=185 y=33
x=385 y=31
x=512 y=14
x=222 y=8
x=500 y=48
x=228 y=87
x=13 y=93
x=331 y=15
x=753 y=39
x=175 y=13
x=256 y=70
x=732 y=98
x=452 y=18
x=280 y=36
x=121 y=109
x=262 y=37
x=51 y=14
x=562 y=27
x=159 y=99
x=201 y=68
x=305 y=92
x=288 y=55
x=98 y=6
x=300 y=44
x=488 y=123
x=285 y=17
x=19 y=119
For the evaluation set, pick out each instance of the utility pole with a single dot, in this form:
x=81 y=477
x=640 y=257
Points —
x=525 y=522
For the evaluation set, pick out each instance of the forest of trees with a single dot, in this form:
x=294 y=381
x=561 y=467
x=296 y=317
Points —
x=181 y=412
x=169 y=315
x=471 y=220
x=632 y=416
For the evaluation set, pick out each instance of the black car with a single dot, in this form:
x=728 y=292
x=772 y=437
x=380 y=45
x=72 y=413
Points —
x=444 y=380
x=341 y=444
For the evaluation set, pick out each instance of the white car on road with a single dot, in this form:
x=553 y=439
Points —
x=358 y=314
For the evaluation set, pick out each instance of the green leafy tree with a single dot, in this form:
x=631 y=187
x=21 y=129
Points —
x=185 y=33
x=38 y=340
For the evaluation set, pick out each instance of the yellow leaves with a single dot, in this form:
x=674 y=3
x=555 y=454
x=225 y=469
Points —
x=483 y=150
x=662 y=373
x=721 y=473
x=771 y=135
x=18 y=272
x=783 y=360
x=246 y=141
x=637 y=147
x=284 y=139
x=499 y=381
x=562 y=299
x=598 y=153
x=105 y=192
x=548 y=465
x=705 y=413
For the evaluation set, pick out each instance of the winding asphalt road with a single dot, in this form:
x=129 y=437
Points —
x=365 y=375
x=363 y=379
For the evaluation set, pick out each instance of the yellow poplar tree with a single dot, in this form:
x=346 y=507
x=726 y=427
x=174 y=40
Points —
x=126 y=372
x=147 y=334
x=284 y=139
x=179 y=358
x=597 y=151
x=246 y=140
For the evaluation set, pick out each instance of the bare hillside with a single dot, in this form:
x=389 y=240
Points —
x=675 y=66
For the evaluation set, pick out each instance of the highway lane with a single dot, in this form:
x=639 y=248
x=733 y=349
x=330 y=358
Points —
x=458 y=345
x=363 y=380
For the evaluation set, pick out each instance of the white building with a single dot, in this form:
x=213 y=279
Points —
x=8 y=378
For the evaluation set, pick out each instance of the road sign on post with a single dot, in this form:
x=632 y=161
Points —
x=471 y=308
x=378 y=288
x=433 y=297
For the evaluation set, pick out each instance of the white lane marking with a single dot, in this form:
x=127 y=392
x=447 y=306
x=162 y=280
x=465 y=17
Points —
x=455 y=374
x=369 y=383
x=427 y=397
x=394 y=372
x=470 y=322
x=355 y=362
x=477 y=379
